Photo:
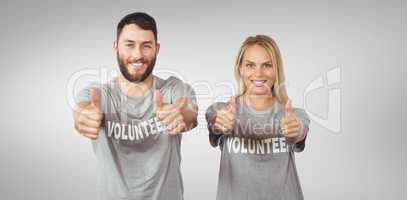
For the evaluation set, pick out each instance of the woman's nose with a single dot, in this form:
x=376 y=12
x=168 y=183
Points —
x=258 y=71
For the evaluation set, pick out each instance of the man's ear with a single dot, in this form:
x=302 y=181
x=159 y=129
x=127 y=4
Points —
x=157 y=47
x=115 y=46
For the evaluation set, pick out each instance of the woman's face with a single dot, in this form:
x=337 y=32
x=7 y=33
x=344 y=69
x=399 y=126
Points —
x=257 y=71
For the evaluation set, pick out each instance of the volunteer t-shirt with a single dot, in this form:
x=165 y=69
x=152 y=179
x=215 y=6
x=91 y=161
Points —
x=257 y=162
x=137 y=158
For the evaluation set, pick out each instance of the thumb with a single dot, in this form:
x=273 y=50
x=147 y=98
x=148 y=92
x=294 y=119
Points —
x=232 y=103
x=288 y=108
x=158 y=99
x=94 y=98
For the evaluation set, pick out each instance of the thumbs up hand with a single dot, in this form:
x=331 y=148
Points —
x=169 y=114
x=290 y=125
x=225 y=117
x=88 y=116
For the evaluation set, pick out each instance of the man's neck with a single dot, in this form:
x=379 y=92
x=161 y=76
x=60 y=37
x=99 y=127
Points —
x=135 y=90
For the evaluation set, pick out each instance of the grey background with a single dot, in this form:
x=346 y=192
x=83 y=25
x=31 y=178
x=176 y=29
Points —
x=44 y=43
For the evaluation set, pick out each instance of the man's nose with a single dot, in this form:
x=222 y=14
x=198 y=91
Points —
x=137 y=53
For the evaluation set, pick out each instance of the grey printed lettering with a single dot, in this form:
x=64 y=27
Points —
x=268 y=142
x=117 y=131
x=283 y=144
x=110 y=127
x=143 y=125
x=139 y=134
x=276 y=145
x=151 y=124
x=256 y=146
x=252 y=147
x=131 y=132
x=244 y=149
x=260 y=146
x=124 y=131
x=229 y=144
x=236 y=144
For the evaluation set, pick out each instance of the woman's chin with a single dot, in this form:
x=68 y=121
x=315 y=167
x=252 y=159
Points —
x=259 y=92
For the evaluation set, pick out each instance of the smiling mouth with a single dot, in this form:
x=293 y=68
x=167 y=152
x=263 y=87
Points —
x=258 y=83
x=136 y=65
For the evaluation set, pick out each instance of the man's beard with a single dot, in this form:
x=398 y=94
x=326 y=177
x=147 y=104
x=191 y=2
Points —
x=135 y=78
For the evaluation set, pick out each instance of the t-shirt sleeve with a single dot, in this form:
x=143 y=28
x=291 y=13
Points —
x=215 y=139
x=183 y=90
x=304 y=121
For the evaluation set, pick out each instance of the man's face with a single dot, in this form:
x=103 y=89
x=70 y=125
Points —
x=136 y=51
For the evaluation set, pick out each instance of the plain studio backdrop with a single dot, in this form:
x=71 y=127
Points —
x=344 y=62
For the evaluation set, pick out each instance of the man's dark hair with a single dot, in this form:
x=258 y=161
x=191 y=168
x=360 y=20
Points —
x=142 y=20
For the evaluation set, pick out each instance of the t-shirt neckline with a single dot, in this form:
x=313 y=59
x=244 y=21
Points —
x=146 y=94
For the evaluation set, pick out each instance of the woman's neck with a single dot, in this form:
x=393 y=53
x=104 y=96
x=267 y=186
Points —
x=134 y=90
x=259 y=102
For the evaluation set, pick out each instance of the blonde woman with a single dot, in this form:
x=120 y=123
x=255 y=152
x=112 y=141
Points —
x=258 y=131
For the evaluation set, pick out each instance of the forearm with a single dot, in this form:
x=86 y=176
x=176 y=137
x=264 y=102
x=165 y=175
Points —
x=190 y=118
x=302 y=135
x=212 y=128
x=304 y=122
x=189 y=112
x=210 y=117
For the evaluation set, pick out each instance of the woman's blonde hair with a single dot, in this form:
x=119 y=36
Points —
x=278 y=89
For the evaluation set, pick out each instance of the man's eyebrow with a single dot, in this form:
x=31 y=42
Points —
x=147 y=42
x=132 y=41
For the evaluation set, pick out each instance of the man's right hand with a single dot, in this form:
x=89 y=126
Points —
x=88 y=116
x=225 y=118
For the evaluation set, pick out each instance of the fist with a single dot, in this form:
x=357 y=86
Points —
x=169 y=114
x=88 y=116
x=290 y=125
x=225 y=118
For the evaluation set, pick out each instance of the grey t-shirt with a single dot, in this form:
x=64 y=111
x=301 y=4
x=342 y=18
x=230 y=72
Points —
x=137 y=159
x=257 y=162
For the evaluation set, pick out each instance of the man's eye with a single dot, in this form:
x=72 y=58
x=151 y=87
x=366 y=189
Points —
x=147 y=46
x=129 y=45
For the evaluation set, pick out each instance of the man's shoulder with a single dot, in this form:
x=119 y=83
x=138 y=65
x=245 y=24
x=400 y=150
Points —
x=170 y=82
x=173 y=80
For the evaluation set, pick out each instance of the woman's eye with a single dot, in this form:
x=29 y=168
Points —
x=249 y=65
x=129 y=45
x=268 y=65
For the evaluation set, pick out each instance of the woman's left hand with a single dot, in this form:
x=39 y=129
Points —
x=290 y=126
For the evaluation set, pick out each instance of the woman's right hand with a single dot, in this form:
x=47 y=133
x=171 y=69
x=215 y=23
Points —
x=225 y=118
